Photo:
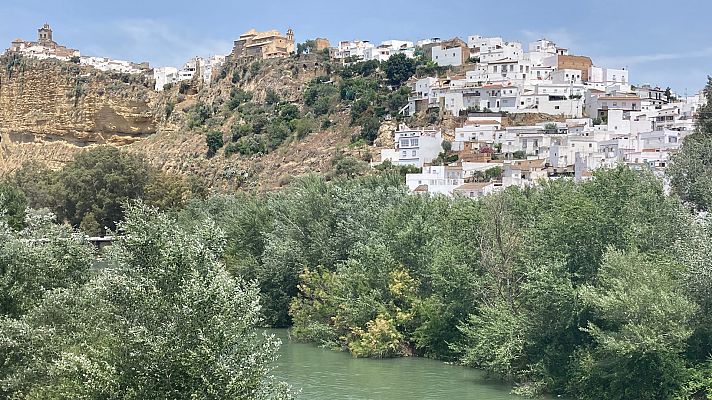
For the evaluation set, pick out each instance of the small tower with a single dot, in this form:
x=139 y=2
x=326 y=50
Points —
x=44 y=34
x=290 y=35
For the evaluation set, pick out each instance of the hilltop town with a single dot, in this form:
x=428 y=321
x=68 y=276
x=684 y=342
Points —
x=512 y=220
x=578 y=116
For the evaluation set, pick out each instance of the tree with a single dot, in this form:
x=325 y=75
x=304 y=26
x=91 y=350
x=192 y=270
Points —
x=38 y=259
x=166 y=191
x=691 y=170
x=446 y=146
x=399 y=68
x=348 y=166
x=165 y=322
x=668 y=95
x=214 y=141
x=307 y=47
x=638 y=339
x=99 y=181
x=36 y=182
x=289 y=112
x=12 y=205
x=369 y=129
x=271 y=97
x=519 y=155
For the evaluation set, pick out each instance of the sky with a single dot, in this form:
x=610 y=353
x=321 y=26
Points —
x=663 y=43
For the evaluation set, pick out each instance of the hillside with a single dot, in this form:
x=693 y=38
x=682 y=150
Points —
x=271 y=120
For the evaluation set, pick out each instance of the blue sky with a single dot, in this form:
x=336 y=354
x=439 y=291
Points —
x=666 y=43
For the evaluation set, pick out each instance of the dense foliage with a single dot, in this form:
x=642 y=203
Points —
x=691 y=170
x=165 y=320
x=90 y=191
x=593 y=290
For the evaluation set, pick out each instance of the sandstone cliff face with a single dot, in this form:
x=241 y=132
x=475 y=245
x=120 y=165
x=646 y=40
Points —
x=48 y=100
x=51 y=110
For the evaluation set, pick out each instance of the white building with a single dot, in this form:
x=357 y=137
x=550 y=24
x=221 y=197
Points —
x=389 y=48
x=108 y=64
x=476 y=190
x=204 y=67
x=438 y=179
x=164 y=76
x=414 y=146
x=451 y=53
x=605 y=77
x=353 y=48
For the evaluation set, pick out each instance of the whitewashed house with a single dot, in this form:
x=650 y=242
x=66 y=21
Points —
x=414 y=146
x=436 y=179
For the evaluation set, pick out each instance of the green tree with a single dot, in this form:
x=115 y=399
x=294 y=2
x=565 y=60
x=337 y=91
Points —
x=214 y=141
x=41 y=257
x=166 y=191
x=369 y=129
x=99 y=181
x=37 y=182
x=12 y=205
x=638 y=339
x=446 y=146
x=399 y=68
x=165 y=322
x=348 y=166
x=691 y=170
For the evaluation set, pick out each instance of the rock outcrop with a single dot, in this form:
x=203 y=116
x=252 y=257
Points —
x=49 y=100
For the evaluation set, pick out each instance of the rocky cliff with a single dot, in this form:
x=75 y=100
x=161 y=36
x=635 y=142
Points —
x=49 y=109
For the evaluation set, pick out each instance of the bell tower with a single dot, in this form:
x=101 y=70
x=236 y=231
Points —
x=44 y=34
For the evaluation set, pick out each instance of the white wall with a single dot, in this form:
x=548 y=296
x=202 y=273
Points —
x=444 y=57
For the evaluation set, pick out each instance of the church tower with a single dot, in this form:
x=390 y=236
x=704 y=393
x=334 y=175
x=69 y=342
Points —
x=44 y=34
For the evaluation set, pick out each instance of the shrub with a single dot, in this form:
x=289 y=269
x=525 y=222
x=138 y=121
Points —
x=240 y=130
x=214 y=140
x=271 y=97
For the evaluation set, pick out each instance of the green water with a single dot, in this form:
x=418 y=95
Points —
x=326 y=374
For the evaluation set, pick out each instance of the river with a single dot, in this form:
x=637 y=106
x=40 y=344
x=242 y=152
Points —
x=324 y=374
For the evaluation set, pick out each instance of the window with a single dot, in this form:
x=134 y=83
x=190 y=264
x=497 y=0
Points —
x=556 y=107
x=414 y=142
x=405 y=154
x=413 y=153
x=590 y=145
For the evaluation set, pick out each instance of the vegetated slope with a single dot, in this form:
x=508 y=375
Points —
x=267 y=120
x=276 y=119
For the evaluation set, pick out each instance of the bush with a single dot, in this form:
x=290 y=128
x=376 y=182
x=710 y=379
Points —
x=271 y=97
x=238 y=97
x=214 y=140
x=183 y=88
x=198 y=114
x=169 y=109
x=240 y=130
x=288 y=112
